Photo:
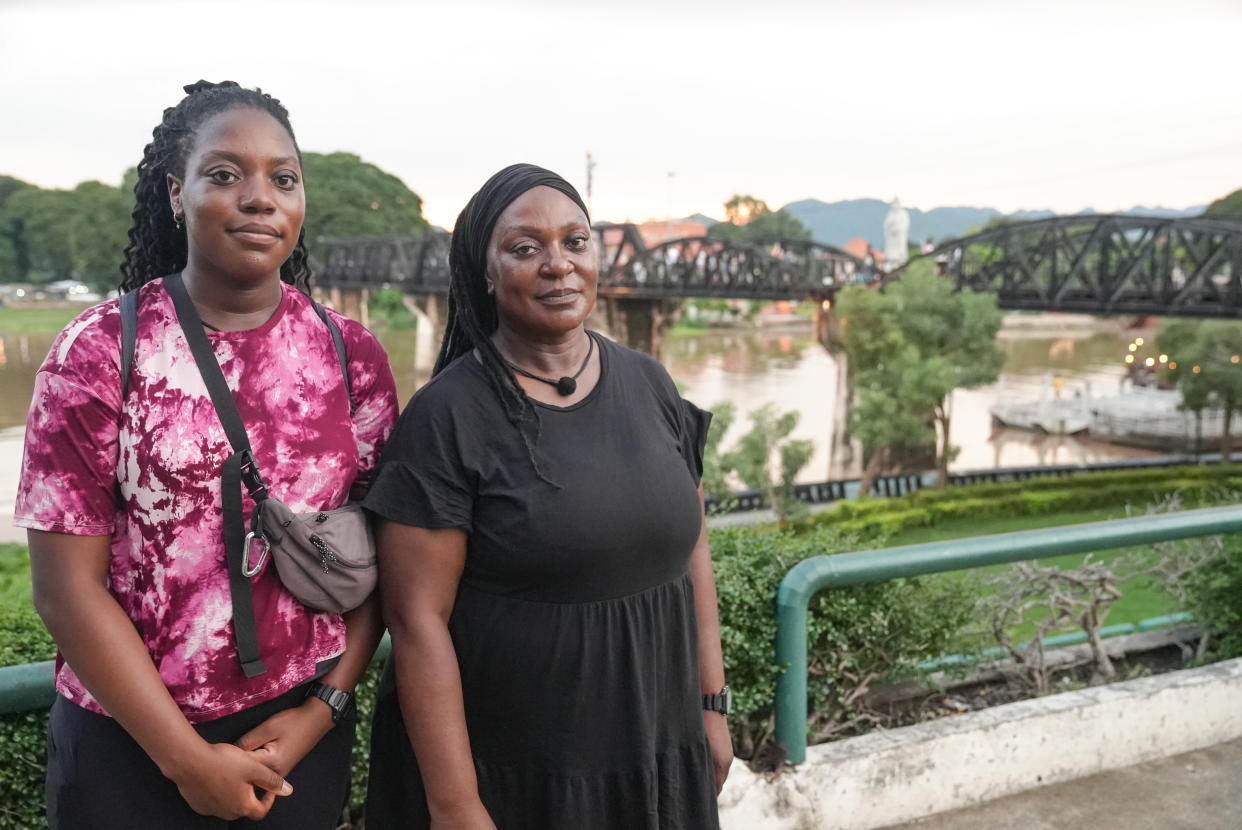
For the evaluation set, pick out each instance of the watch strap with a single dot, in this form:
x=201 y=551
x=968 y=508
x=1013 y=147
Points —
x=339 y=701
x=721 y=702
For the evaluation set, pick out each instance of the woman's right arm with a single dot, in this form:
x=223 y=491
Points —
x=98 y=640
x=421 y=570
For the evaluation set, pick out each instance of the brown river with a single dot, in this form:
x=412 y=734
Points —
x=782 y=365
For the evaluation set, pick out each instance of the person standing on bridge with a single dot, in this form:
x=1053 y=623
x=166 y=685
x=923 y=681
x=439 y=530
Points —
x=157 y=723
x=545 y=572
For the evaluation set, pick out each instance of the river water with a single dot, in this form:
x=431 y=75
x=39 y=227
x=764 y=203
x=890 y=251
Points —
x=783 y=365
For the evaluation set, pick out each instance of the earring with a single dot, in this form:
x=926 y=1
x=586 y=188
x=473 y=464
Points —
x=177 y=219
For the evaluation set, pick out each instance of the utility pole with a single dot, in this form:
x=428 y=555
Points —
x=668 y=227
x=590 y=179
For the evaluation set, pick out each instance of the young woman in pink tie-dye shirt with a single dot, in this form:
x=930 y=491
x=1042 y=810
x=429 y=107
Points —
x=156 y=725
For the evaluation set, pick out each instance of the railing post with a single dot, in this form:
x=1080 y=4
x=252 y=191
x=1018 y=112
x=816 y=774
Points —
x=792 y=600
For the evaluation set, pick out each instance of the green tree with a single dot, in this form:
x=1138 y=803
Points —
x=752 y=459
x=1208 y=354
x=347 y=196
x=38 y=221
x=748 y=219
x=98 y=226
x=892 y=400
x=1226 y=206
x=14 y=257
x=909 y=348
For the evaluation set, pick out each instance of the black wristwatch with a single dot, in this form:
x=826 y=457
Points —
x=339 y=701
x=721 y=702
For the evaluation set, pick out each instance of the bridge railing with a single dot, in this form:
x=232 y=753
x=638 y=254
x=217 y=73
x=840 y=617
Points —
x=810 y=576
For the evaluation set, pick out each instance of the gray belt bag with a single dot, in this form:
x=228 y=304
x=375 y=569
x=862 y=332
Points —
x=326 y=559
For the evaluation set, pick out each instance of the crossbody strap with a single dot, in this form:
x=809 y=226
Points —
x=129 y=339
x=339 y=342
x=239 y=468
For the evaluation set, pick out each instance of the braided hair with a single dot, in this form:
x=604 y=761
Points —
x=157 y=246
x=471 y=317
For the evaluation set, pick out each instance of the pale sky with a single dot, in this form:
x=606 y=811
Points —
x=1019 y=104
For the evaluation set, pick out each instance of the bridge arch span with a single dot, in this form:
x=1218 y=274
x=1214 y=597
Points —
x=708 y=266
x=1102 y=264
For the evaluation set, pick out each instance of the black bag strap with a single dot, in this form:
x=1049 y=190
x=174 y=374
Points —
x=239 y=468
x=129 y=339
x=339 y=342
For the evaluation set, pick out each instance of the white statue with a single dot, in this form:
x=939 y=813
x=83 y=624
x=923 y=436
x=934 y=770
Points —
x=896 y=235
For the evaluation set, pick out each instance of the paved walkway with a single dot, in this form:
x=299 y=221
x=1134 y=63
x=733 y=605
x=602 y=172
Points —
x=1200 y=790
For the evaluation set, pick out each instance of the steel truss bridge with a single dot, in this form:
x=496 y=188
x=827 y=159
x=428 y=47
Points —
x=1103 y=264
x=699 y=266
x=1094 y=264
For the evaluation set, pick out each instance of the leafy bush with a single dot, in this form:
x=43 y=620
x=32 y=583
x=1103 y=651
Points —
x=365 y=700
x=857 y=637
x=23 y=639
x=1214 y=596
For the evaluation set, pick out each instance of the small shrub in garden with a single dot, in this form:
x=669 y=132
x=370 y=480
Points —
x=1214 y=596
x=364 y=694
x=23 y=639
x=857 y=637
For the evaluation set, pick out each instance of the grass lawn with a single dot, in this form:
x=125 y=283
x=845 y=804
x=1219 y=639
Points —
x=14 y=575
x=1141 y=598
x=18 y=320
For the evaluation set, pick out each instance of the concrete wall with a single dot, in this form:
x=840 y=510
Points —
x=885 y=778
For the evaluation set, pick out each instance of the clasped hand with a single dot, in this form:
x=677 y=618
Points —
x=222 y=779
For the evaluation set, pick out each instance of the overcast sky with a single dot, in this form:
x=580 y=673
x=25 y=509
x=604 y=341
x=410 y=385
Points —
x=1018 y=104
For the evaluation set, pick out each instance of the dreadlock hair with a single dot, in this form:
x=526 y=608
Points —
x=157 y=247
x=471 y=317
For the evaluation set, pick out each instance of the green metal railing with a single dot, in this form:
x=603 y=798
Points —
x=28 y=687
x=810 y=576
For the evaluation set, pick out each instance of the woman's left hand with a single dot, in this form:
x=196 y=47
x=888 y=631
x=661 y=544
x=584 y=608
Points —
x=717 y=728
x=285 y=738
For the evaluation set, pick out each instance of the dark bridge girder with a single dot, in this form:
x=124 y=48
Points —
x=701 y=266
x=1105 y=264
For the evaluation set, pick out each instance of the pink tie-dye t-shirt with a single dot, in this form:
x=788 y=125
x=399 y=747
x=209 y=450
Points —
x=165 y=449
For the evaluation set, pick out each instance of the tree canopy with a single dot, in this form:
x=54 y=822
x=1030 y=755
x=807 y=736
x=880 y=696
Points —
x=909 y=347
x=1208 y=359
x=748 y=219
x=1230 y=205
x=48 y=235
x=346 y=196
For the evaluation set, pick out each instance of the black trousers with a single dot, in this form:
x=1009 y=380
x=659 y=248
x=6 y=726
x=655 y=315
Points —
x=99 y=778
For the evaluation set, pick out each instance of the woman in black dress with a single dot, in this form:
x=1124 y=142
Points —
x=545 y=569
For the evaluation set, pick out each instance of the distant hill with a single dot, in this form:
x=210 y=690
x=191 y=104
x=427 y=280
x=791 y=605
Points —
x=838 y=222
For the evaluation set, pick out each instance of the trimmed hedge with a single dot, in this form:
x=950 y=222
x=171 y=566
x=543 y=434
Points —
x=872 y=517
